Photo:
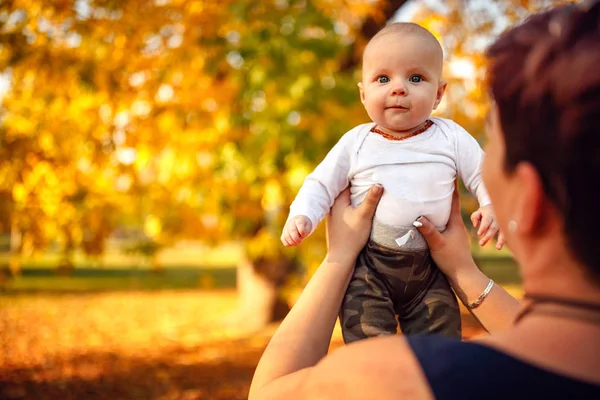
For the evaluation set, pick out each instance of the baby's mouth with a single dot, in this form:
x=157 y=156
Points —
x=397 y=107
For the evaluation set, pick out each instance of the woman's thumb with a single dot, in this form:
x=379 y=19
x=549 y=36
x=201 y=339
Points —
x=426 y=228
x=369 y=204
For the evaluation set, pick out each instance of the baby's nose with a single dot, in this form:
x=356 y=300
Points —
x=399 y=90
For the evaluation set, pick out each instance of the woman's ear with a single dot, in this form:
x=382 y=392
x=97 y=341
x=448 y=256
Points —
x=440 y=93
x=530 y=205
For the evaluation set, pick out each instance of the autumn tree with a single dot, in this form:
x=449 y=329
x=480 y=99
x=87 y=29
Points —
x=194 y=119
x=200 y=117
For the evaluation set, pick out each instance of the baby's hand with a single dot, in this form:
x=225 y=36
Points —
x=488 y=226
x=296 y=229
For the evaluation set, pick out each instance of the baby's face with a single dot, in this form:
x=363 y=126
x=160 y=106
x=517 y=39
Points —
x=401 y=82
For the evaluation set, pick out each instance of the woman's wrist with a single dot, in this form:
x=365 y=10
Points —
x=468 y=283
x=341 y=259
x=457 y=270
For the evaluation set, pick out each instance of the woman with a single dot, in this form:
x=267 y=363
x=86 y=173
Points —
x=541 y=170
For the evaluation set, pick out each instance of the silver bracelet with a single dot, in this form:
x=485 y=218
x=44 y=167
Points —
x=482 y=296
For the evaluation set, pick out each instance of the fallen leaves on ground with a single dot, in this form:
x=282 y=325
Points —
x=138 y=345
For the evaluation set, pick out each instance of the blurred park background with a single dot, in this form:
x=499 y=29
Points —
x=149 y=151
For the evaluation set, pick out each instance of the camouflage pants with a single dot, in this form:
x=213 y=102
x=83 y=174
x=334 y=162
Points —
x=389 y=283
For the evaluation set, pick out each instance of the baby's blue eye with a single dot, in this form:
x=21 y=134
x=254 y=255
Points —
x=416 y=78
x=383 y=79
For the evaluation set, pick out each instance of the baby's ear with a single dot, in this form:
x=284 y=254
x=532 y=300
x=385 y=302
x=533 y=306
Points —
x=362 y=92
x=440 y=93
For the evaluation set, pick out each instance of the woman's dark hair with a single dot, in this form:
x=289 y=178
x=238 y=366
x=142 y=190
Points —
x=544 y=76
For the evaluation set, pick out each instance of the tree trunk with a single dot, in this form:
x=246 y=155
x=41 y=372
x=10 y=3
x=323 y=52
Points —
x=15 y=247
x=259 y=292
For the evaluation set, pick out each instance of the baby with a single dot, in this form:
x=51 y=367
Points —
x=416 y=158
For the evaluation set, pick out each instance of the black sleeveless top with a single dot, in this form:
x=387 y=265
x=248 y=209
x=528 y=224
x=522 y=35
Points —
x=468 y=370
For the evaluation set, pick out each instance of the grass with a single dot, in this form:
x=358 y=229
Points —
x=183 y=254
x=83 y=280
x=187 y=265
x=503 y=270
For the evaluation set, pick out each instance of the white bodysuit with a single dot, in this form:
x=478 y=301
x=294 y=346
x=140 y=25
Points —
x=417 y=175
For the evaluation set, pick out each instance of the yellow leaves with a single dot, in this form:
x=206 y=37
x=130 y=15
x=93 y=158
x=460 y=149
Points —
x=301 y=84
x=19 y=194
x=209 y=221
x=101 y=52
x=307 y=57
x=360 y=9
x=198 y=62
x=44 y=185
x=435 y=23
x=195 y=7
x=149 y=100
x=297 y=170
x=152 y=226
x=7 y=174
x=205 y=159
x=173 y=164
x=221 y=121
x=50 y=200
x=165 y=165
x=185 y=166
x=141 y=108
x=83 y=103
x=104 y=181
x=158 y=337
x=120 y=41
x=283 y=104
x=231 y=158
x=257 y=75
x=167 y=122
x=67 y=214
x=272 y=198
x=105 y=113
x=18 y=125
x=144 y=156
x=46 y=142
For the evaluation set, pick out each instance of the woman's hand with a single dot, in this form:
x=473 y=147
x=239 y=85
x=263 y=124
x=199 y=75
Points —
x=348 y=228
x=449 y=249
x=451 y=252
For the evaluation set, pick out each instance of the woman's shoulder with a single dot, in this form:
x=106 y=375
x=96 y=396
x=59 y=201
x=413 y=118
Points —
x=377 y=368
x=424 y=367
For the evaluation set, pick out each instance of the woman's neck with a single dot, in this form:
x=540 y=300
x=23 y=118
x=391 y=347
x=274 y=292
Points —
x=566 y=346
x=549 y=269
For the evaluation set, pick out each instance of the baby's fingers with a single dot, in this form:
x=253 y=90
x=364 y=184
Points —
x=303 y=228
x=476 y=218
x=485 y=223
x=489 y=233
x=286 y=240
x=295 y=237
x=290 y=237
